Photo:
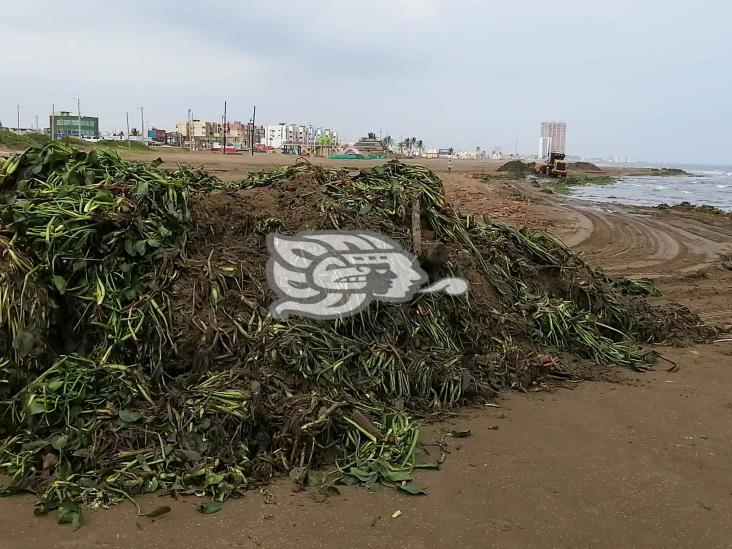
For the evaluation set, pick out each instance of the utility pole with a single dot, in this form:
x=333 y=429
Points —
x=78 y=112
x=254 y=121
x=223 y=148
x=142 y=123
x=127 y=115
x=36 y=123
x=18 y=125
x=53 y=121
x=190 y=130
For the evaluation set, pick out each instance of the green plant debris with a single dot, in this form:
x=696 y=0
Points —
x=667 y=171
x=517 y=169
x=138 y=354
x=565 y=184
x=639 y=286
x=695 y=208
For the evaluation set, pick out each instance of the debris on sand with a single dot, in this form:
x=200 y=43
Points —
x=695 y=208
x=517 y=168
x=637 y=286
x=137 y=353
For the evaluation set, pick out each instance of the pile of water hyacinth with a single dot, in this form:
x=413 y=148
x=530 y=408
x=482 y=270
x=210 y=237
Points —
x=137 y=353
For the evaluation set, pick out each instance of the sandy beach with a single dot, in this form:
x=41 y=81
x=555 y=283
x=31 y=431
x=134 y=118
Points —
x=633 y=462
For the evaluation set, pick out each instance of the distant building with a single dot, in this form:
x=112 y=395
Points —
x=200 y=134
x=65 y=124
x=276 y=135
x=553 y=138
x=159 y=136
x=174 y=139
x=293 y=138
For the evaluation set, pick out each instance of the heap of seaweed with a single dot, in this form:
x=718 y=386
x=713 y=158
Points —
x=137 y=353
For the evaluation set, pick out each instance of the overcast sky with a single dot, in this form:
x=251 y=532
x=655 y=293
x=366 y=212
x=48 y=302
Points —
x=649 y=79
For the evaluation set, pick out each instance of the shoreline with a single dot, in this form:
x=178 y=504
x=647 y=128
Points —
x=687 y=192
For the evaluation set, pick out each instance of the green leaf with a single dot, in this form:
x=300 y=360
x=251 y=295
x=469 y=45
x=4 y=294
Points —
x=190 y=455
x=54 y=385
x=130 y=416
x=140 y=247
x=59 y=443
x=142 y=189
x=328 y=490
x=69 y=513
x=366 y=208
x=23 y=343
x=60 y=283
x=35 y=408
x=413 y=490
x=458 y=434
x=212 y=479
x=361 y=475
x=210 y=507
x=103 y=195
x=426 y=465
x=397 y=476
x=158 y=511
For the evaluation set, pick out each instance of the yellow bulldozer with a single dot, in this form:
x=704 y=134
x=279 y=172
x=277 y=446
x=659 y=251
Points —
x=556 y=167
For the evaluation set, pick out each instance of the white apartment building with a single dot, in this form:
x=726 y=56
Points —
x=283 y=134
x=553 y=138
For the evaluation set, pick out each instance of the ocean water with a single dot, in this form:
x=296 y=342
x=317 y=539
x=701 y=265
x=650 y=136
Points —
x=703 y=187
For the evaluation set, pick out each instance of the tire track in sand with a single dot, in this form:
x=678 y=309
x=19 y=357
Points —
x=638 y=242
x=684 y=254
